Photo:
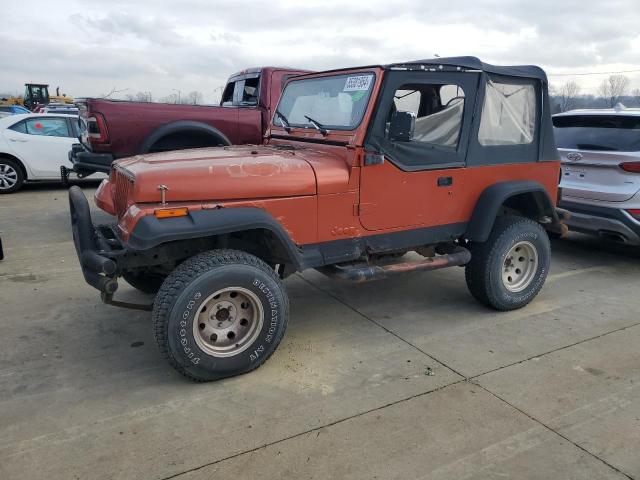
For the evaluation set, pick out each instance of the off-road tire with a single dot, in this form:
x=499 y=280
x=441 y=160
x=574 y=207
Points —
x=186 y=291
x=145 y=282
x=484 y=272
x=19 y=175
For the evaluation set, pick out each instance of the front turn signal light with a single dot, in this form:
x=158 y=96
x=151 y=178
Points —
x=171 y=212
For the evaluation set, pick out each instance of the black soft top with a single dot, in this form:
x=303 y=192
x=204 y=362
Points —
x=456 y=63
x=474 y=63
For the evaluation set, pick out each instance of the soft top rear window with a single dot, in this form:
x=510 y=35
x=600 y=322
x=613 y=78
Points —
x=615 y=133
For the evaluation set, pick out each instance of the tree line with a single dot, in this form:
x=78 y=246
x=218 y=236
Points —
x=192 y=98
x=613 y=90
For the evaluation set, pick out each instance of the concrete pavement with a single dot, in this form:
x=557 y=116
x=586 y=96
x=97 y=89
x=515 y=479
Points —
x=549 y=391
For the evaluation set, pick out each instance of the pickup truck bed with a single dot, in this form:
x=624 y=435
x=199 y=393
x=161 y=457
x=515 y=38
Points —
x=112 y=129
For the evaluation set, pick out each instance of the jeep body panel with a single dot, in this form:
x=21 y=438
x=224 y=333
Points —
x=319 y=196
x=237 y=173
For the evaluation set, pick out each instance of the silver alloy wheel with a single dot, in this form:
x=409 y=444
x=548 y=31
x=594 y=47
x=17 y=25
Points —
x=228 y=322
x=8 y=176
x=520 y=266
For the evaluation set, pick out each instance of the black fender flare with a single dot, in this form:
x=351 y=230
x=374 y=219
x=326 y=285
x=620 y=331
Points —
x=495 y=196
x=150 y=232
x=181 y=126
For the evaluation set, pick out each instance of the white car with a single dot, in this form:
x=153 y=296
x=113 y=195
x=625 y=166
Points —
x=600 y=154
x=34 y=147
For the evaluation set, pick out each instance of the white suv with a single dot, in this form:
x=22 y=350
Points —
x=600 y=152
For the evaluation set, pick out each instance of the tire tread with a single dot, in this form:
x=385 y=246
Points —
x=477 y=275
x=184 y=274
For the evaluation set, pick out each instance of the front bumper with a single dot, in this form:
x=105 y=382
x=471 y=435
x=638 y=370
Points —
x=86 y=162
x=94 y=245
x=611 y=223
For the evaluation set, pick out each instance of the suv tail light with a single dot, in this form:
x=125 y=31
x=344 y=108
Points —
x=633 y=167
x=634 y=212
x=97 y=129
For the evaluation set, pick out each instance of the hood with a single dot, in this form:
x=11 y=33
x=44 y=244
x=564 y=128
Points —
x=220 y=173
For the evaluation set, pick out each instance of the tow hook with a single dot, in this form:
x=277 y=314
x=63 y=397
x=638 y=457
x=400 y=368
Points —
x=108 y=299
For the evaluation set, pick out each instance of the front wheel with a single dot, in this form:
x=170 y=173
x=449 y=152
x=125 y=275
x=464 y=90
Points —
x=508 y=270
x=219 y=314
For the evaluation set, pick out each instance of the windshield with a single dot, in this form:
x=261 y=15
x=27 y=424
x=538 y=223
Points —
x=337 y=102
x=598 y=132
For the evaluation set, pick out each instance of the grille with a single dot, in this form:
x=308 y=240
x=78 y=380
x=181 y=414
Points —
x=122 y=186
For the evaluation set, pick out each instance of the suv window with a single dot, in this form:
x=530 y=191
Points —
x=50 y=127
x=598 y=132
x=438 y=110
x=508 y=114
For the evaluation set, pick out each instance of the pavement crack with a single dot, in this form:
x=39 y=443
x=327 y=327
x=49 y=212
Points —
x=547 y=427
x=595 y=337
x=366 y=317
x=311 y=430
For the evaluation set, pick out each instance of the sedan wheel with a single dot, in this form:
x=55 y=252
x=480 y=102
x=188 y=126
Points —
x=11 y=177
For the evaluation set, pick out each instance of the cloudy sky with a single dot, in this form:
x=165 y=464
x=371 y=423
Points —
x=89 y=47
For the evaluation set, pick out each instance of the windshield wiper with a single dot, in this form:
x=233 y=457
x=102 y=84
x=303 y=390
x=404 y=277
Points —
x=285 y=123
x=317 y=125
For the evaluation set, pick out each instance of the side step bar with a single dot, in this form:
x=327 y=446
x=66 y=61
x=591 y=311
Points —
x=364 y=273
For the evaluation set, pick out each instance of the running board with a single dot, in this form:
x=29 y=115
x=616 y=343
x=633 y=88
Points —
x=362 y=272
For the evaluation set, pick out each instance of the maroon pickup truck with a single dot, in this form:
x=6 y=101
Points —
x=112 y=129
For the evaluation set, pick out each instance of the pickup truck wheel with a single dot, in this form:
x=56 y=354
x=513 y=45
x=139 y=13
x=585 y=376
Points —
x=11 y=176
x=145 y=282
x=508 y=270
x=220 y=313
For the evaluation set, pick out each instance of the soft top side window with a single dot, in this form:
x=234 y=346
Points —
x=442 y=104
x=508 y=114
x=438 y=110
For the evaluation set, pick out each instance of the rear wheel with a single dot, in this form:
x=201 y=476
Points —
x=11 y=176
x=220 y=313
x=508 y=270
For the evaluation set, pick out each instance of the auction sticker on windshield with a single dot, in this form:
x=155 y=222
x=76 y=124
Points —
x=357 y=83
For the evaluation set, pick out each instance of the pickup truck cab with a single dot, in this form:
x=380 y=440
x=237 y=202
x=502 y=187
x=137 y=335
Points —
x=368 y=172
x=112 y=129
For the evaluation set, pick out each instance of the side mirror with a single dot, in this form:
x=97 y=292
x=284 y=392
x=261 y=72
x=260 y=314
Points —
x=402 y=126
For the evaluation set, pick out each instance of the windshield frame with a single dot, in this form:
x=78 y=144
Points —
x=312 y=77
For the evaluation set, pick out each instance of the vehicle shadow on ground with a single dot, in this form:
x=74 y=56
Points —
x=576 y=244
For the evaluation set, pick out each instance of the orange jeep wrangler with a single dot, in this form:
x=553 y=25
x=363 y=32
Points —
x=451 y=158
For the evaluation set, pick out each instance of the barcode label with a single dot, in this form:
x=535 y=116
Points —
x=358 y=82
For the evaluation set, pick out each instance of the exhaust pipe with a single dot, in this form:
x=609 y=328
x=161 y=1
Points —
x=612 y=236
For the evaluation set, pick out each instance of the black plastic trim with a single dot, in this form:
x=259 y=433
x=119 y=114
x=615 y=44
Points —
x=86 y=162
x=150 y=231
x=97 y=269
x=494 y=197
x=310 y=140
x=605 y=212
